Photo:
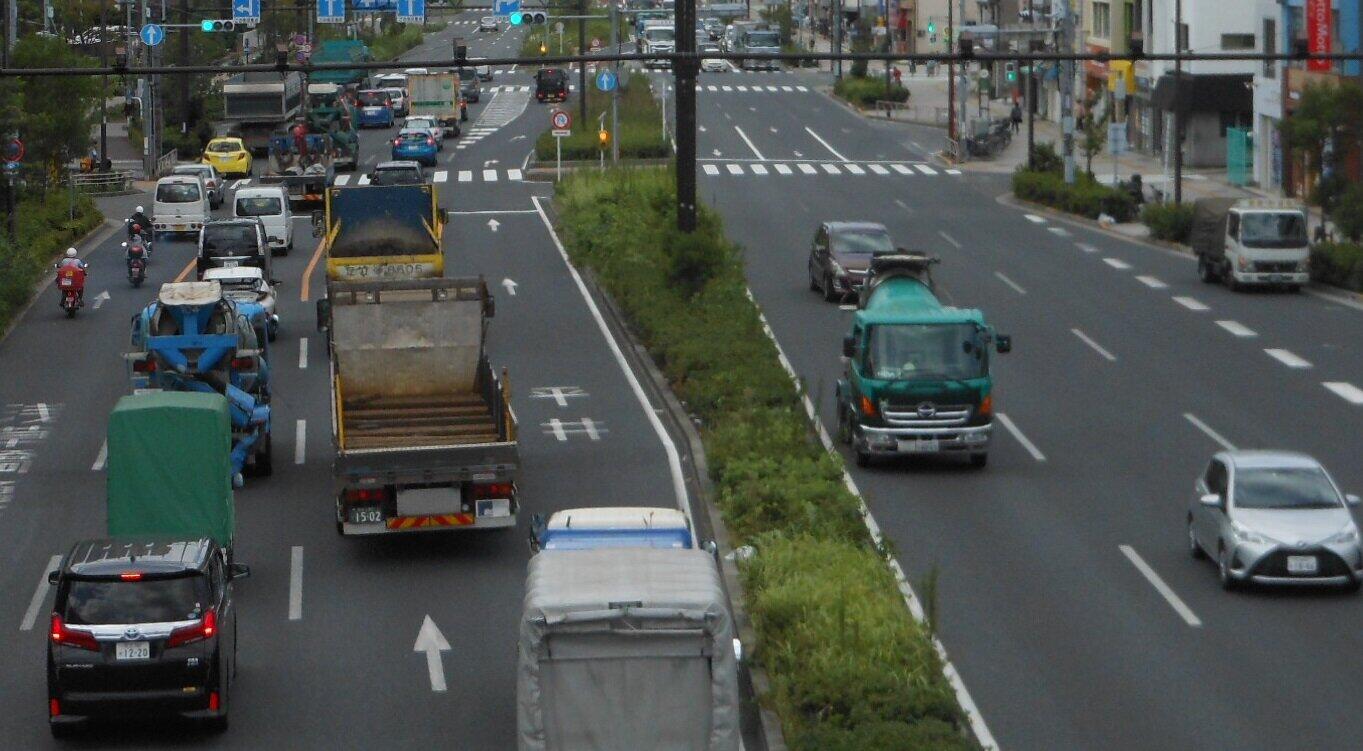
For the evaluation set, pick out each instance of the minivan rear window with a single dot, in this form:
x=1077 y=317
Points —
x=103 y=602
x=177 y=193
x=373 y=98
x=259 y=206
x=229 y=240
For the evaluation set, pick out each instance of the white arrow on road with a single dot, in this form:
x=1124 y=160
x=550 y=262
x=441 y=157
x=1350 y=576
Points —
x=101 y=298
x=432 y=642
x=798 y=155
x=517 y=138
x=489 y=162
x=510 y=285
x=493 y=224
x=716 y=152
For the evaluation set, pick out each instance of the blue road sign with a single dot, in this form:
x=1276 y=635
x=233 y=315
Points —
x=246 y=11
x=374 y=5
x=411 y=11
x=331 y=11
x=505 y=7
x=12 y=167
x=605 y=80
x=152 y=34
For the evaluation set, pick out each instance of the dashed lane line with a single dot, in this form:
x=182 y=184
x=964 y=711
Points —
x=1346 y=391
x=1164 y=590
x=39 y=595
x=1288 y=358
x=1117 y=263
x=1237 y=328
x=1208 y=431
x=1095 y=346
x=1192 y=304
x=1152 y=282
x=1031 y=448
x=1014 y=285
x=825 y=144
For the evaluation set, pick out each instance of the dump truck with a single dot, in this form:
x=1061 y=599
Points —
x=917 y=378
x=194 y=338
x=626 y=648
x=381 y=232
x=169 y=467
x=1251 y=242
x=306 y=173
x=257 y=103
x=330 y=112
x=340 y=51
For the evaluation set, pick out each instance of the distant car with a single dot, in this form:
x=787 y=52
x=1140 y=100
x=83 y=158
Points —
x=399 y=97
x=417 y=144
x=1274 y=517
x=489 y=23
x=415 y=72
x=426 y=122
x=247 y=284
x=468 y=85
x=376 y=108
x=230 y=156
x=712 y=64
x=551 y=85
x=841 y=255
x=142 y=626
x=212 y=181
x=484 y=71
x=397 y=173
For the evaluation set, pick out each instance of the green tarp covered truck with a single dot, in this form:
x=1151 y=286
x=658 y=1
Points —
x=170 y=468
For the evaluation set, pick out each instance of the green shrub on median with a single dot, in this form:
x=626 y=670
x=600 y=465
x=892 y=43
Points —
x=850 y=668
x=865 y=92
x=641 y=121
x=45 y=229
x=1085 y=196
x=1338 y=264
x=1168 y=221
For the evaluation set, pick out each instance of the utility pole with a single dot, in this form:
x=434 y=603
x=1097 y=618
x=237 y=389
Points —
x=837 y=38
x=1066 y=47
x=615 y=93
x=685 y=67
x=103 y=83
x=581 y=66
x=1029 y=96
x=964 y=98
x=952 y=133
x=1178 y=104
x=885 y=19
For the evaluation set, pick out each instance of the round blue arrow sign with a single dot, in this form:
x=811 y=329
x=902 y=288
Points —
x=605 y=80
x=152 y=34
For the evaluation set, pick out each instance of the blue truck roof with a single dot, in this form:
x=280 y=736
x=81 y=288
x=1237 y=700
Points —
x=593 y=539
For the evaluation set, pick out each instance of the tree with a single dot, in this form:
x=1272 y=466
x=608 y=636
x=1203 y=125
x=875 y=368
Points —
x=1326 y=126
x=1095 y=137
x=58 y=113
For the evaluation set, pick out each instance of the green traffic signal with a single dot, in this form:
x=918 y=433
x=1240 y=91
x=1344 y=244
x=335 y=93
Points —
x=211 y=25
x=932 y=27
x=517 y=18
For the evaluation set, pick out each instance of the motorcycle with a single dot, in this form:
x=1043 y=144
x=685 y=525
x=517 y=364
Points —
x=136 y=234
x=137 y=261
x=71 y=283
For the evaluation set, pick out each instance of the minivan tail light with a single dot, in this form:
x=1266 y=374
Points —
x=131 y=576
x=70 y=637
x=144 y=366
x=205 y=628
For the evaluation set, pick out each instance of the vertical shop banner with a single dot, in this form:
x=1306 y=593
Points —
x=1318 y=32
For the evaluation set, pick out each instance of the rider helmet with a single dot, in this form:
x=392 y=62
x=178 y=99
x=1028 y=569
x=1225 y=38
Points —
x=71 y=253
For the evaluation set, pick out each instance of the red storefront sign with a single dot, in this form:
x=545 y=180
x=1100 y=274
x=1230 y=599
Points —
x=1318 y=29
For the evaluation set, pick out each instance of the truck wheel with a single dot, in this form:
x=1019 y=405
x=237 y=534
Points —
x=265 y=459
x=813 y=281
x=1204 y=270
x=978 y=461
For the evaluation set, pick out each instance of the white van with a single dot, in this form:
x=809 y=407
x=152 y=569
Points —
x=271 y=206
x=181 y=204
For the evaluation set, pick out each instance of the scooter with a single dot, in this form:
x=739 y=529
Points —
x=137 y=261
x=135 y=234
x=70 y=282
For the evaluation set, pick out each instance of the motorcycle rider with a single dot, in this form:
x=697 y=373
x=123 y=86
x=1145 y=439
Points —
x=135 y=240
x=71 y=261
x=140 y=219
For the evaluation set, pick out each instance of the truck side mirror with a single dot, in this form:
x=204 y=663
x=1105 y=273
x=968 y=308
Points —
x=712 y=548
x=1003 y=343
x=238 y=571
x=849 y=346
x=323 y=314
x=53 y=576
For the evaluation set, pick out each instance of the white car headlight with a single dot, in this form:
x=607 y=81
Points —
x=1349 y=534
x=1247 y=535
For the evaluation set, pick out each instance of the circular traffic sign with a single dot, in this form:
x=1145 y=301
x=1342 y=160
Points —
x=605 y=80
x=596 y=43
x=561 y=120
x=14 y=151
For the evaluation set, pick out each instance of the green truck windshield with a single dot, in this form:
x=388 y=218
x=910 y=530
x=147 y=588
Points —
x=921 y=352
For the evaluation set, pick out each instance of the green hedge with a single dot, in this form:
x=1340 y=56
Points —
x=1339 y=264
x=850 y=668
x=396 y=40
x=640 y=134
x=865 y=92
x=597 y=28
x=45 y=229
x=1085 y=197
x=1168 y=221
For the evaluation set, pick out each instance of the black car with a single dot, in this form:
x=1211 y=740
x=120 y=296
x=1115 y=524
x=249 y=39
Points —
x=142 y=627
x=234 y=242
x=397 y=173
x=841 y=255
x=468 y=85
x=551 y=85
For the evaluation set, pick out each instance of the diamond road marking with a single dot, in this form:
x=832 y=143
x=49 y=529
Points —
x=465 y=176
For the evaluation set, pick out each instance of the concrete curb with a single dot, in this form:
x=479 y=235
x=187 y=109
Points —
x=85 y=245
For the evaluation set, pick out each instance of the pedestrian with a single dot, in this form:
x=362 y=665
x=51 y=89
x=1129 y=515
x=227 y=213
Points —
x=897 y=76
x=1016 y=117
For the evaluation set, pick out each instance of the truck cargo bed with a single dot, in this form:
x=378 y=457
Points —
x=413 y=421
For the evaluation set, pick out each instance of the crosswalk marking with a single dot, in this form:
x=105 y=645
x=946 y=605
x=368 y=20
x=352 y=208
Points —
x=465 y=176
x=878 y=169
x=341 y=181
x=831 y=169
x=364 y=180
x=758 y=169
x=901 y=169
x=742 y=88
x=925 y=169
x=953 y=172
x=782 y=169
x=771 y=88
x=854 y=169
x=735 y=169
x=808 y=169
x=490 y=175
x=802 y=88
x=514 y=175
x=711 y=169
x=441 y=176
x=787 y=88
x=727 y=88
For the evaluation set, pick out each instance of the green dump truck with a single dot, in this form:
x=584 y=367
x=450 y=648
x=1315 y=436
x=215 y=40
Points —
x=169 y=469
x=340 y=51
x=917 y=378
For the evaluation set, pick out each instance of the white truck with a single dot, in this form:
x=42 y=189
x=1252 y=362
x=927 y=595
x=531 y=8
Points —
x=658 y=38
x=759 y=41
x=1251 y=241
x=258 y=103
x=435 y=95
x=626 y=648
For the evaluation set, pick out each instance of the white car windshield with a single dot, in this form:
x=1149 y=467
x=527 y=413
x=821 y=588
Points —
x=1285 y=488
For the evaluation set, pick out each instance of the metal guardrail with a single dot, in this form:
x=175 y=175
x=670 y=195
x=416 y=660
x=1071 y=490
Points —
x=167 y=161
x=954 y=151
x=913 y=113
x=101 y=183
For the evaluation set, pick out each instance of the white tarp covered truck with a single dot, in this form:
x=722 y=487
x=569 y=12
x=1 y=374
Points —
x=1251 y=241
x=626 y=649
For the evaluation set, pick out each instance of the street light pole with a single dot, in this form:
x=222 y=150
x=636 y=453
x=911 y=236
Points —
x=685 y=69
x=103 y=84
x=615 y=93
x=1178 y=105
x=951 y=80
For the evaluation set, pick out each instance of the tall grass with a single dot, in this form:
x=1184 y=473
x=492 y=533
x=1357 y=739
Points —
x=640 y=133
x=44 y=230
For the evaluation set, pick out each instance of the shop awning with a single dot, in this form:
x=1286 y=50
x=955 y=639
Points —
x=1205 y=92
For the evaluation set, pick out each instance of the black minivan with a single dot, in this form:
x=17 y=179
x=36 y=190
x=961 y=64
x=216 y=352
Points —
x=551 y=85
x=142 y=628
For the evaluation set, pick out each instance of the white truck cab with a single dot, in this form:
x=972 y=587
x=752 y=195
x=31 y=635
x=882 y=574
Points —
x=1246 y=242
x=271 y=206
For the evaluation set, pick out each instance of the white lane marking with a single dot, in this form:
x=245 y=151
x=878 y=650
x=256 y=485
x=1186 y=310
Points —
x=953 y=172
x=735 y=169
x=1288 y=358
x=758 y=169
x=1191 y=303
x=673 y=458
x=879 y=169
x=433 y=643
x=465 y=176
x=1237 y=328
x=300 y=437
x=925 y=169
x=296 y=583
x=1118 y=264
x=237 y=184
x=808 y=169
x=1095 y=345
x=102 y=457
x=44 y=414
x=772 y=88
x=1086 y=247
x=364 y=180
x=786 y=88
x=1152 y=282
x=441 y=176
x=802 y=88
x=1345 y=390
x=1022 y=439
x=746 y=139
x=1016 y=287
x=831 y=150
x=711 y=169
x=782 y=169
x=1164 y=590
x=1208 y=431
x=854 y=169
x=1034 y=219
x=302 y=353
x=39 y=594
x=341 y=181
x=1059 y=231
x=831 y=169
x=514 y=175
x=949 y=239
x=902 y=169
x=490 y=175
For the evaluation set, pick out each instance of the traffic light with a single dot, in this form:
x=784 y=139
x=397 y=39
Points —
x=544 y=48
x=1010 y=71
x=529 y=18
x=932 y=28
x=603 y=138
x=461 y=52
x=218 y=24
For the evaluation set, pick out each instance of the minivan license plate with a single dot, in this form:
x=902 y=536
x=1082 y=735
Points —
x=1301 y=564
x=132 y=650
